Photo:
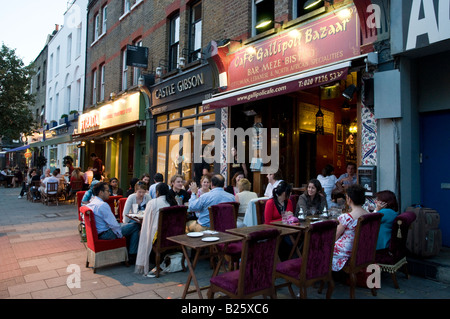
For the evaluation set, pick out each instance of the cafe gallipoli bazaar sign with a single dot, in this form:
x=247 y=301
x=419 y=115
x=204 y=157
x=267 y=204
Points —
x=324 y=41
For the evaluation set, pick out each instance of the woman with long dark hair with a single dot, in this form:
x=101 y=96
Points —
x=279 y=203
x=164 y=198
x=313 y=200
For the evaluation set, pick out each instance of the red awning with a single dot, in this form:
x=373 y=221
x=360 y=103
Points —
x=292 y=83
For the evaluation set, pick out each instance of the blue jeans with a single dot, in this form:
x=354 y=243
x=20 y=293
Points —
x=130 y=232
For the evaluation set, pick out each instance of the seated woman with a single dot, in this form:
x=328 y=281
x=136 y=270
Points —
x=205 y=183
x=345 y=233
x=312 y=199
x=233 y=188
x=149 y=228
x=244 y=196
x=177 y=190
x=140 y=198
x=114 y=189
x=278 y=204
x=88 y=195
x=387 y=204
x=77 y=176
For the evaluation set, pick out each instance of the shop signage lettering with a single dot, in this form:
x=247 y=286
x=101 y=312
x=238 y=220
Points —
x=89 y=120
x=180 y=86
x=318 y=43
x=436 y=27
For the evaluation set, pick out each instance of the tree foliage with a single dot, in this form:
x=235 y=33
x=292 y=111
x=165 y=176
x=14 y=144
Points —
x=15 y=115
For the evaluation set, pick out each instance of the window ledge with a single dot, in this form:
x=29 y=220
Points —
x=123 y=16
x=98 y=39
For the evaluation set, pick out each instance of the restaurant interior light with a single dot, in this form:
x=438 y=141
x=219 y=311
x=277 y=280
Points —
x=320 y=122
x=264 y=23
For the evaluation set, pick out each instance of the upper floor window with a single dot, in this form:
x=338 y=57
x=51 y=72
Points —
x=96 y=26
x=300 y=8
x=50 y=70
x=102 y=82
x=174 y=42
x=69 y=49
x=124 y=70
x=195 y=37
x=58 y=57
x=137 y=71
x=262 y=11
x=104 y=18
x=94 y=87
x=78 y=48
x=126 y=6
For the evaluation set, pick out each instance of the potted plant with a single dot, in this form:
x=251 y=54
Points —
x=73 y=115
x=41 y=161
x=64 y=119
x=53 y=123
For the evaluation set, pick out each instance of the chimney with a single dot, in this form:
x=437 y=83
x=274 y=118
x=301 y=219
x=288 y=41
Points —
x=56 y=27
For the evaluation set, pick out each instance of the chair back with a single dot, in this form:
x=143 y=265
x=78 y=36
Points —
x=79 y=195
x=122 y=202
x=235 y=206
x=260 y=207
x=365 y=243
x=400 y=228
x=172 y=222
x=259 y=252
x=113 y=202
x=222 y=217
x=294 y=200
x=318 y=250
x=76 y=186
x=91 y=228
x=52 y=188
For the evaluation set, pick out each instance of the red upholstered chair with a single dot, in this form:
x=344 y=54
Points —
x=75 y=186
x=256 y=274
x=171 y=222
x=102 y=252
x=80 y=196
x=394 y=258
x=122 y=202
x=223 y=217
x=235 y=206
x=364 y=247
x=260 y=206
x=316 y=260
x=113 y=202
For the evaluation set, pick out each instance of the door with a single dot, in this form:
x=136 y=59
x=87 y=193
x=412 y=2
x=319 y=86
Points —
x=435 y=172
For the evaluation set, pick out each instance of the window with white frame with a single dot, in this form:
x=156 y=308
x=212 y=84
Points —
x=94 y=87
x=68 y=98
x=79 y=35
x=174 y=42
x=262 y=10
x=50 y=67
x=195 y=38
x=126 y=6
x=69 y=49
x=96 y=27
x=78 y=94
x=137 y=71
x=102 y=83
x=58 y=57
x=104 y=18
x=124 y=70
x=56 y=108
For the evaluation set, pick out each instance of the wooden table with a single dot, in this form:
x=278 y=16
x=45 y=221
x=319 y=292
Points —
x=301 y=228
x=136 y=218
x=285 y=231
x=197 y=244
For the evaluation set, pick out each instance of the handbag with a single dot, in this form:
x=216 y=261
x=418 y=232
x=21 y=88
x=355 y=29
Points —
x=172 y=262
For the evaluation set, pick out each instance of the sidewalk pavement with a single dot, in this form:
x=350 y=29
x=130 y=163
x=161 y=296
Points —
x=38 y=243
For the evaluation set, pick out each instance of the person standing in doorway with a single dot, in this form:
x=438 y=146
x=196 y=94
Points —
x=97 y=167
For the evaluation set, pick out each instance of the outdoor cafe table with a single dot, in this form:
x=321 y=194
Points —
x=285 y=231
x=301 y=228
x=199 y=244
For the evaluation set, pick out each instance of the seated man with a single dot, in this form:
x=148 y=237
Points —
x=51 y=179
x=107 y=226
x=200 y=204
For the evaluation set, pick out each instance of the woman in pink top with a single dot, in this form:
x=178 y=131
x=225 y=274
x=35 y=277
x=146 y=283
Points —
x=345 y=233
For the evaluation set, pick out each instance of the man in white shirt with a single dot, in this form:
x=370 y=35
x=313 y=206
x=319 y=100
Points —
x=51 y=179
x=274 y=179
x=107 y=226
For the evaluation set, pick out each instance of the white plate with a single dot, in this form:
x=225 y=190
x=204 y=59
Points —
x=210 y=239
x=195 y=234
